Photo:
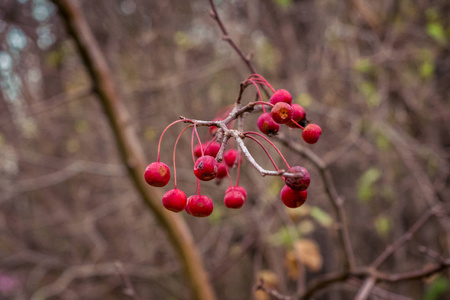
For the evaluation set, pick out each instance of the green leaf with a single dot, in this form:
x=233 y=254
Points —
x=282 y=237
x=367 y=89
x=382 y=141
x=365 y=184
x=383 y=226
x=183 y=40
x=268 y=57
x=364 y=65
x=436 y=31
x=216 y=216
x=437 y=288
x=284 y=3
x=304 y=99
x=321 y=216
x=426 y=70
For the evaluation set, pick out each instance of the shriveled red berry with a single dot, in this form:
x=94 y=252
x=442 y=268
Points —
x=311 y=133
x=267 y=125
x=301 y=182
x=281 y=95
x=298 y=114
x=199 y=206
x=281 y=113
x=198 y=149
x=221 y=171
x=292 y=198
x=212 y=149
x=234 y=199
x=206 y=168
x=237 y=188
x=174 y=200
x=157 y=174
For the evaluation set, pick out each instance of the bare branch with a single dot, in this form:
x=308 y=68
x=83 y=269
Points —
x=274 y=293
x=129 y=147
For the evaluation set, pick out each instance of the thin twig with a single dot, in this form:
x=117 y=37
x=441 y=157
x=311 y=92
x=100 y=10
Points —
x=129 y=289
x=274 y=293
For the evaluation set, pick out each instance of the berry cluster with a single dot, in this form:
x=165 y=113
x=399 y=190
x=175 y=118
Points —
x=292 y=115
x=212 y=160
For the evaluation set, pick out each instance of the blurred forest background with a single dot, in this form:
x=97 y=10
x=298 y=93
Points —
x=375 y=75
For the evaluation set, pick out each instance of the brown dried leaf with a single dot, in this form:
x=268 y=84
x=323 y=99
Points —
x=309 y=254
x=270 y=281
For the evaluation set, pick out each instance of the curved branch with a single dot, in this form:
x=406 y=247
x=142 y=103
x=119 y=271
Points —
x=130 y=149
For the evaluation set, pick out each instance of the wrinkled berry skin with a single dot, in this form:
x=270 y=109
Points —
x=267 y=125
x=237 y=188
x=298 y=114
x=174 y=200
x=292 y=198
x=206 y=168
x=199 y=206
x=234 y=199
x=157 y=174
x=311 y=133
x=212 y=149
x=281 y=113
x=281 y=95
x=300 y=183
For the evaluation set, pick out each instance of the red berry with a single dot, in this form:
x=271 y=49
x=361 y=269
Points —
x=212 y=148
x=267 y=125
x=281 y=113
x=221 y=171
x=198 y=150
x=205 y=168
x=199 y=206
x=298 y=115
x=237 y=188
x=281 y=96
x=174 y=200
x=234 y=199
x=157 y=174
x=301 y=182
x=230 y=157
x=311 y=133
x=292 y=198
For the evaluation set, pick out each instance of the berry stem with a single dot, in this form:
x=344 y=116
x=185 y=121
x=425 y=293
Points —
x=298 y=124
x=259 y=92
x=265 y=150
x=270 y=142
x=198 y=186
x=174 y=152
x=198 y=139
x=192 y=146
x=229 y=177
x=263 y=80
x=239 y=167
x=164 y=131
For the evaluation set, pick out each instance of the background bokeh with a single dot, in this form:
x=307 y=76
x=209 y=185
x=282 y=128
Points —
x=374 y=75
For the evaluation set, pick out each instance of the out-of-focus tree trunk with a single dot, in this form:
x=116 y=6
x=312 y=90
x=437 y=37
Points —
x=129 y=146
